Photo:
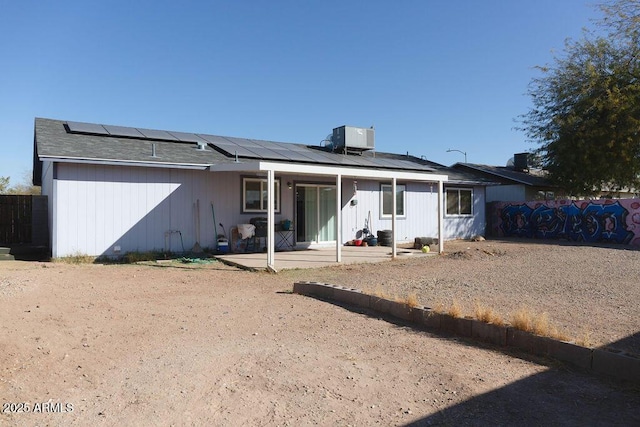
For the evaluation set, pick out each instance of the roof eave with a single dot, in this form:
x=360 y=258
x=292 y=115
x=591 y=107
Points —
x=116 y=162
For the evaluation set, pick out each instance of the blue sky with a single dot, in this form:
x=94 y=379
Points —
x=429 y=75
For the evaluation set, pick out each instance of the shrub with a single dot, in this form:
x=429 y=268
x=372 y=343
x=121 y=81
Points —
x=487 y=315
x=455 y=310
x=76 y=258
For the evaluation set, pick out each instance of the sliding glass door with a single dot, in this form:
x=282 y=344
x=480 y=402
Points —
x=315 y=213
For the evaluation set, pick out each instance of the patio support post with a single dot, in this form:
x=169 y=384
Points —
x=339 y=218
x=394 y=251
x=270 y=221
x=440 y=217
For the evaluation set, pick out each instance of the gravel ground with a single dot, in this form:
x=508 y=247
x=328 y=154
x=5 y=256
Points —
x=212 y=345
x=589 y=293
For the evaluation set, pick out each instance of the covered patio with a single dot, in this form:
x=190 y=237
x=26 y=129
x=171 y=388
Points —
x=337 y=173
x=318 y=258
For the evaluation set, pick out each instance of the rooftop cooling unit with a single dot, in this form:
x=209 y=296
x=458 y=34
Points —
x=521 y=162
x=349 y=138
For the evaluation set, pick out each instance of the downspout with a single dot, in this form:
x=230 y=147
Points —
x=440 y=217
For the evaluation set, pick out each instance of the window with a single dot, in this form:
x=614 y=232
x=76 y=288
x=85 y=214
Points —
x=459 y=201
x=387 y=201
x=254 y=195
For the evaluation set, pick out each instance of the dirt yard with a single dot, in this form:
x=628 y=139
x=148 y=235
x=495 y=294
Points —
x=212 y=345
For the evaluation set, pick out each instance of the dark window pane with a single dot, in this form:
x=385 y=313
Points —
x=252 y=195
x=465 y=202
x=452 y=202
x=400 y=200
x=387 y=201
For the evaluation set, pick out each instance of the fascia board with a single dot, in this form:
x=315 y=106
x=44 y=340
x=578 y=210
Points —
x=111 y=162
x=296 y=168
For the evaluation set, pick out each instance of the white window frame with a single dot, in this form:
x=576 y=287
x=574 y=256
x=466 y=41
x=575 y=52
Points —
x=458 y=191
x=263 y=191
x=387 y=187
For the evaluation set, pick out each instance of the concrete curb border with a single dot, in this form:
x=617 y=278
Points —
x=618 y=365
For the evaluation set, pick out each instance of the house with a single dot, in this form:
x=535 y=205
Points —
x=515 y=182
x=114 y=189
x=519 y=182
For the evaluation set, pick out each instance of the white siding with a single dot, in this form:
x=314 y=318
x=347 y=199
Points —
x=506 y=193
x=99 y=207
x=94 y=208
x=421 y=208
x=465 y=227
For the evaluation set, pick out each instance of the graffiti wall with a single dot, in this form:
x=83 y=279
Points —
x=608 y=221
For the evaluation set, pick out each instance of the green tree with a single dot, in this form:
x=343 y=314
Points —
x=586 y=106
x=24 y=188
x=4 y=184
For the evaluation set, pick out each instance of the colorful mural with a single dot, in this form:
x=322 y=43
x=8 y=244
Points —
x=610 y=221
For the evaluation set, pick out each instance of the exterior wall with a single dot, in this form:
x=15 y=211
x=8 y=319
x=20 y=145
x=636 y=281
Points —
x=465 y=227
x=610 y=221
x=110 y=210
x=503 y=193
x=98 y=208
x=421 y=207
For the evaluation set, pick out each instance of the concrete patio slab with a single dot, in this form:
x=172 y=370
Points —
x=317 y=258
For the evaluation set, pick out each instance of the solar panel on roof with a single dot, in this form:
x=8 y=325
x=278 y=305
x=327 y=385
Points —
x=368 y=162
x=267 y=154
x=157 y=134
x=243 y=142
x=295 y=147
x=390 y=162
x=214 y=138
x=331 y=158
x=269 y=144
x=286 y=146
x=233 y=150
x=292 y=155
x=318 y=156
x=123 y=131
x=344 y=160
x=188 y=137
x=402 y=164
x=382 y=163
x=412 y=165
x=87 y=128
x=362 y=161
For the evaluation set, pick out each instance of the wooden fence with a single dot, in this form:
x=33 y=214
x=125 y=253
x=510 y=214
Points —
x=15 y=219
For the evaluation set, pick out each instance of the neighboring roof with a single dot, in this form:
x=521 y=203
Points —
x=67 y=141
x=455 y=176
x=505 y=174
